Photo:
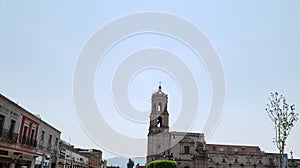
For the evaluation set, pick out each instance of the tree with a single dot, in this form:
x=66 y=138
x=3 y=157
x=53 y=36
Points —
x=130 y=163
x=162 y=164
x=283 y=117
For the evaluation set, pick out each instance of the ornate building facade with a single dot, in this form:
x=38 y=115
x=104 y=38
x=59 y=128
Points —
x=25 y=139
x=190 y=150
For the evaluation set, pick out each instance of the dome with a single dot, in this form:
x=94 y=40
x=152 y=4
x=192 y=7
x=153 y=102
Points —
x=159 y=91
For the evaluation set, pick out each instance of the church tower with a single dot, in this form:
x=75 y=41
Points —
x=158 y=135
x=159 y=117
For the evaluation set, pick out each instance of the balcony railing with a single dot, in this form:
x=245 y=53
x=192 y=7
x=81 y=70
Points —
x=8 y=135
x=28 y=141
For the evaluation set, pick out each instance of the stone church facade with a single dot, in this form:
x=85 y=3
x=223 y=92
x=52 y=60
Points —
x=190 y=150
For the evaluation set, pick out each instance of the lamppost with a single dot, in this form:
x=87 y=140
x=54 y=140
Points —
x=292 y=163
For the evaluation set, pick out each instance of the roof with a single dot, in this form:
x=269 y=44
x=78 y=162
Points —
x=233 y=148
x=26 y=112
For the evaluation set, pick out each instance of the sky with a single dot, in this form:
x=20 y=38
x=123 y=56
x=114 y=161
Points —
x=256 y=41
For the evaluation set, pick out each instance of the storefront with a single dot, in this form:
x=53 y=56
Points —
x=16 y=156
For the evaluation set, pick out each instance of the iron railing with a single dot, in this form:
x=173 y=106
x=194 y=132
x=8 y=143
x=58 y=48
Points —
x=29 y=141
x=8 y=135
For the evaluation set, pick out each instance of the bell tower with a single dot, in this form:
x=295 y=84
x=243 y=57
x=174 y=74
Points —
x=158 y=135
x=159 y=117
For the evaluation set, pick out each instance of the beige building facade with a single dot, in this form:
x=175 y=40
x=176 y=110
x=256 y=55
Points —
x=234 y=156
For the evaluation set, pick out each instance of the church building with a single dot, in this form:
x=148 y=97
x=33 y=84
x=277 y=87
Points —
x=190 y=150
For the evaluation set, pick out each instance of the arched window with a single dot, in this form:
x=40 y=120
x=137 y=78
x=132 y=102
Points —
x=159 y=122
x=159 y=107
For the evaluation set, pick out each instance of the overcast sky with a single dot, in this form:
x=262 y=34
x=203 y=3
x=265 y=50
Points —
x=257 y=43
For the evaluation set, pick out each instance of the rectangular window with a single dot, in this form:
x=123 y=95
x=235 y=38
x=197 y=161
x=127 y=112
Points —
x=24 y=136
x=12 y=126
x=32 y=141
x=56 y=143
x=214 y=148
x=62 y=153
x=2 y=119
x=12 y=130
x=186 y=150
x=42 y=138
x=49 y=141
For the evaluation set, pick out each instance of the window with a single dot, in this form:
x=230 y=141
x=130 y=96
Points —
x=186 y=150
x=24 y=137
x=42 y=138
x=56 y=143
x=49 y=141
x=32 y=137
x=25 y=131
x=158 y=146
x=159 y=122
x=2 y=119
x=12 y=126
x=12 y=130
x=159 y=107
x=62 y=153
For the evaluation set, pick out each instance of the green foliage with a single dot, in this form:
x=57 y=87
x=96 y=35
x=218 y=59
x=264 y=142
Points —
x=283 y=117
x=162 y=164
x=130 y=163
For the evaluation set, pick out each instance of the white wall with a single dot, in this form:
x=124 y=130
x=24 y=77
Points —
x=48 y=131
x=76 y=157
x=10 y=111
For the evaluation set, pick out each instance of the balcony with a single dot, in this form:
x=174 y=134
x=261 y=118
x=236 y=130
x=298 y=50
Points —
x=29 y=141
x=11 y=137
